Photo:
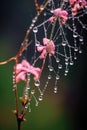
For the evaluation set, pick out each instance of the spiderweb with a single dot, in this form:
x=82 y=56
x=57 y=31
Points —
x=68 y=38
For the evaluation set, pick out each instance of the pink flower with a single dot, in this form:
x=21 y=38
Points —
x=23 y=68
x=72 y=1
x=49 y=47
x=84 y=3
x=52 y=19
x=58 y=13
x=77 y=5
x=76 y=8
x=81 y=2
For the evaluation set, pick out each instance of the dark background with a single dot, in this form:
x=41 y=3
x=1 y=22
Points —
x=63 y=111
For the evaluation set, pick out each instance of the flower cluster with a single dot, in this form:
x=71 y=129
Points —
x=59 y=13
x=23 y=68
x=77 y=5
x=49 y=47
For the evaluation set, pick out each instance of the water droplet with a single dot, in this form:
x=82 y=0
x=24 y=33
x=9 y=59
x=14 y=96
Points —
x=83 y=27
x=30 y=28
x=42 y=7
x=66 y=70
x=28 y=88
x=36 y=18
x=49 y=76
x=45 y=13
x=35 y=29
x=36 y=104
x=55 y=89
x=26 y=106
x=64 y=43
x=33 y=21
x=60 y=66
x=75 y=57
x=14 y=87
x=28 y=31
x=80 y=51
x=86 y=7
x=65 y=0
x=40 y=98
x=66 y=63
x=71 y=63
x=52 y=11
x=66 y=59
x=51 y=68
x=32 y=92
x=65 y=74
x=75 y=35
x=81 y=39
x=57 y=60
x=41 y=94
x=37 y=43
x=57 y=77
x=32 y=25
x=29 y=109
x=76 y=49
x=26 y=96
x=37 y=83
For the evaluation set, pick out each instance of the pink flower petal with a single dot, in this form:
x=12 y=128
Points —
x=18 y=68
x=49 y=47
x=45 y=41
x=62 y=14
x=20 y=76
x=35 y=71
x=84 y=2
x=72 y=1
x=51 y=19
x=37 y=74
x=43 y=54
x=25 y=63
x=23 y=68
x=57 y=12
x=40 y=48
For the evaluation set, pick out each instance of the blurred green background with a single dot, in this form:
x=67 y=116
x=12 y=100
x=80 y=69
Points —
x=62 y=111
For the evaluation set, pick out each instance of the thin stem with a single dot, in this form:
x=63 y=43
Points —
x=6 y=61
x=52 y=31
x=19 y=124
x=22 y=48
